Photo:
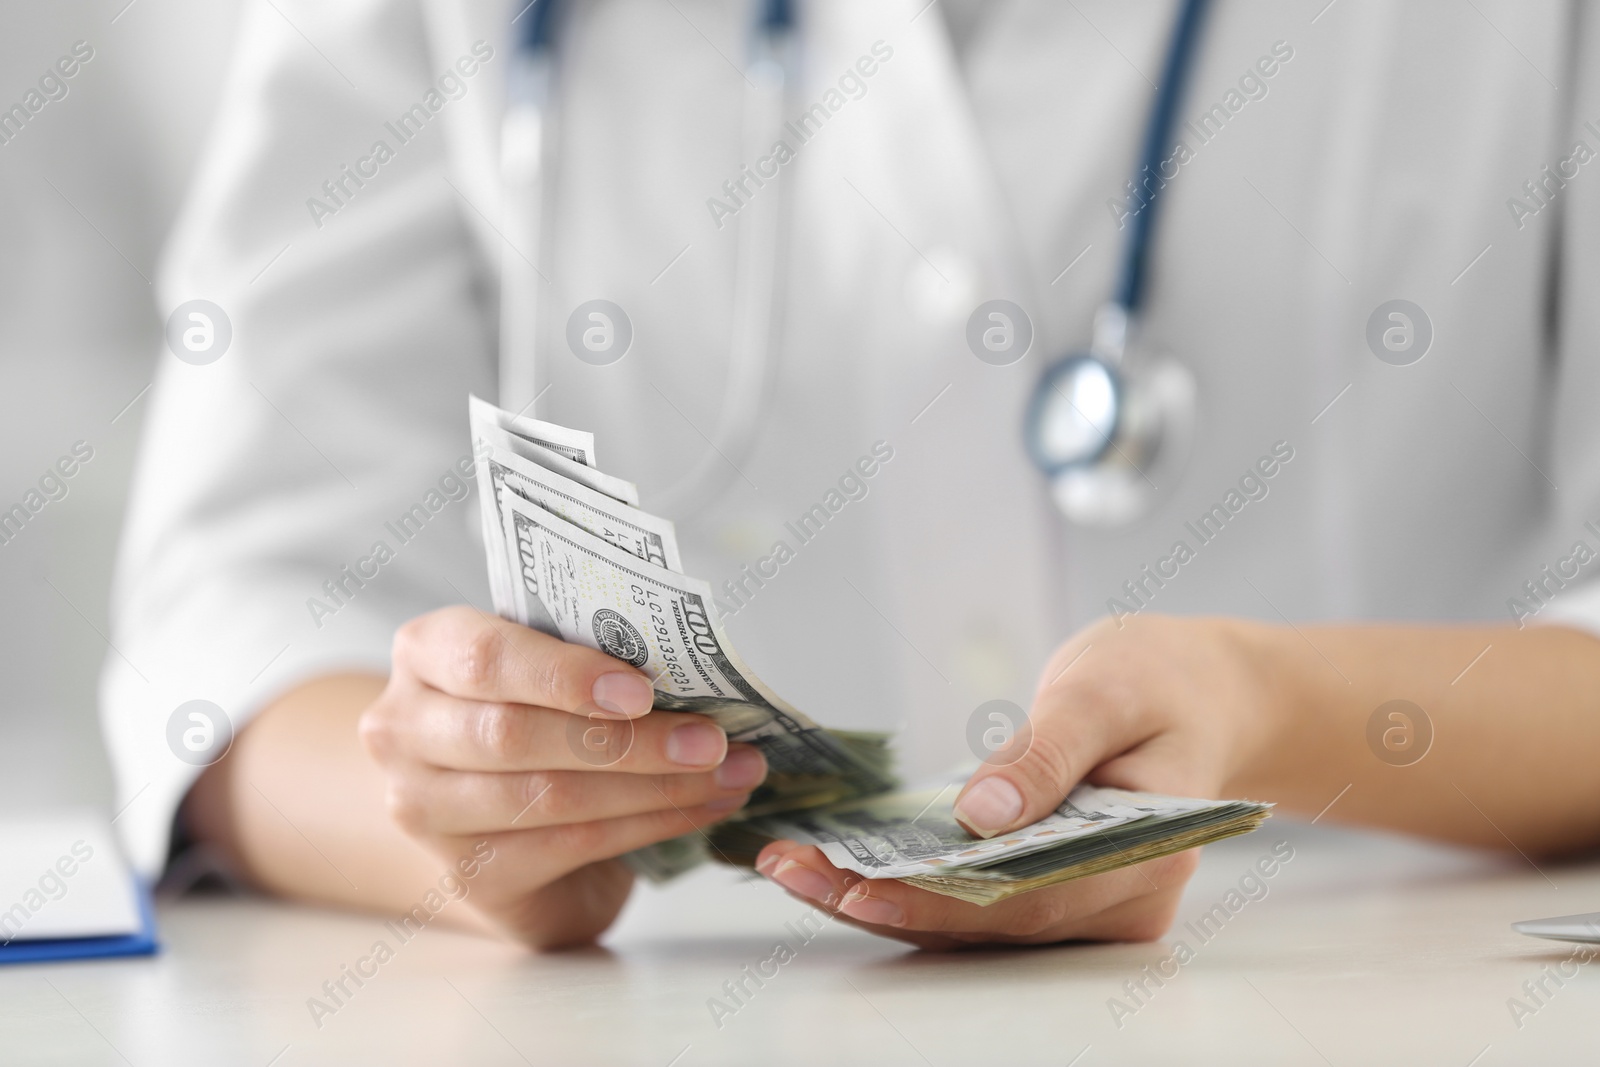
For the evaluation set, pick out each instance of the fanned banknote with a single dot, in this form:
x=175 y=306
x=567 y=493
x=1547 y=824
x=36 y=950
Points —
x=575 y=445
x=589 y=504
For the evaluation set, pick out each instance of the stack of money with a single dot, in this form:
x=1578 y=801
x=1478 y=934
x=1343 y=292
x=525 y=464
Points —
x=912 y=835
x=572 y=554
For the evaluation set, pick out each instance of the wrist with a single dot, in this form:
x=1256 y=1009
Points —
x=1276 y=694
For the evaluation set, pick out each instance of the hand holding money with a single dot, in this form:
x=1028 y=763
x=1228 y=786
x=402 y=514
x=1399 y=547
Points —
x=1174 y=705
x=571 y=555
x=474 y=732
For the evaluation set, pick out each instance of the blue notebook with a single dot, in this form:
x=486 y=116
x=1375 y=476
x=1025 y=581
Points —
x=67 y=893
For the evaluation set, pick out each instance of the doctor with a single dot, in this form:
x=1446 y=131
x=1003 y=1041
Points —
x=1351 y=382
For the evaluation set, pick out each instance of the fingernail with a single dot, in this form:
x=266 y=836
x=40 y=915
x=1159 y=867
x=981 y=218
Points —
x=803 y=880
x=696 y=744
x=765 y=866
x=872 y=910
x=990 y=806
x=623 y=694
x=722 y=804
x=743 y=768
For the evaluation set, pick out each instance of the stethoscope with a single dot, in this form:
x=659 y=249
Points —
x=1099 y=424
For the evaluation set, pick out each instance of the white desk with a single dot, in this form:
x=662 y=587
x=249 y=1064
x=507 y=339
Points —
x=1365 y=951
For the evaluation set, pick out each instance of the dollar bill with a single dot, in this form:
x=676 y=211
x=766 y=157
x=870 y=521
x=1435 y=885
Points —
x=912 y=835
x=576 y=445
x=638 y=533
x=486 y=431
x=584 y=589
x=501 y=470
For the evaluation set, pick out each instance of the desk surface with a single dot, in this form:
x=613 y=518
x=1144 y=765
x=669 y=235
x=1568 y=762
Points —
x=1364 y=950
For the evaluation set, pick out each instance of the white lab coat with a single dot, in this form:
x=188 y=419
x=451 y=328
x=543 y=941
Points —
x=1378 y=165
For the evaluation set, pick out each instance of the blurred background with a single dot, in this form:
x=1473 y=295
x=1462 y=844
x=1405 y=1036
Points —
x=88 y=190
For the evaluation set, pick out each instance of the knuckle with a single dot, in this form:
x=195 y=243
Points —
x=503 y=731
x=553 y=675
x=407 y=639
x=377 y=732
x=543 y=793
x=479 y=663
x=374 y=735
x=407 y=808
x=1048 y=764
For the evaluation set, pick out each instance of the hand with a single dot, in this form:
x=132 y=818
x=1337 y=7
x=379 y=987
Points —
x=1161 y=704
x=492 y=732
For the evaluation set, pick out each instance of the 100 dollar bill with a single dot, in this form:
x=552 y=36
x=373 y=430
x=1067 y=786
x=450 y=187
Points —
x=502 y=470
x=575 y=445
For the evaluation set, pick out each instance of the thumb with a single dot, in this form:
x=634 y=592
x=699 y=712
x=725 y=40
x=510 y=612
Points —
x=1067 y=735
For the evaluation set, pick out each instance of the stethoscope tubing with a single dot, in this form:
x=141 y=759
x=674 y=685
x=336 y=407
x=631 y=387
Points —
x=1128 y=295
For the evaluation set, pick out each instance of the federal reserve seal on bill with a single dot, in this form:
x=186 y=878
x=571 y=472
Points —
x=620 y=638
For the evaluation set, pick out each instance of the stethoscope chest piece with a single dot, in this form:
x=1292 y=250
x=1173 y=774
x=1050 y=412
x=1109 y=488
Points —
x=1148 y=432
x=1109 y=426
